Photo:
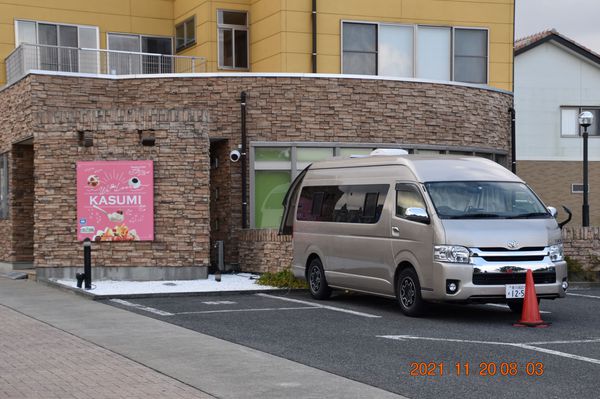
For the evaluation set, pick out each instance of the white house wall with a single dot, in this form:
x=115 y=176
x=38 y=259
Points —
x=547 y=77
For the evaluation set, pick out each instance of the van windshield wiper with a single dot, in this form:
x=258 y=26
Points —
x=529 y=215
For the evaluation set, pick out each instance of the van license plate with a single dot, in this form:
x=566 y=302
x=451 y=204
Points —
x=515 y=290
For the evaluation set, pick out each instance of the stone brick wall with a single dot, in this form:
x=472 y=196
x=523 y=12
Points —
x=181 y=182
x=15 y=126
x=302 y=109
x=264 y=251
x=552 y=180
x=583 y=245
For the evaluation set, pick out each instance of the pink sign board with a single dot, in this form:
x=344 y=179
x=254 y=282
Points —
x=115 y=200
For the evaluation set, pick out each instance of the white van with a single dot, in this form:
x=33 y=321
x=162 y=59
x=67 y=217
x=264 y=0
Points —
x=422 y=228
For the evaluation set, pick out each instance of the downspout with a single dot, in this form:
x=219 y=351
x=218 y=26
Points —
x=244 y=157
x=513 y=134
x=314 y=36
x=513 y=148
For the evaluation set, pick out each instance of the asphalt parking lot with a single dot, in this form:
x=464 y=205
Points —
x=455 y=351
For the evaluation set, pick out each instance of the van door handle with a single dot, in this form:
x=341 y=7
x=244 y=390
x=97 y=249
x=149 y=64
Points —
x=395 y=232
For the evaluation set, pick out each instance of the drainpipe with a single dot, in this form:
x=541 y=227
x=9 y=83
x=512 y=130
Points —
x=244 y=157
x=314 y=36
x=513 y=147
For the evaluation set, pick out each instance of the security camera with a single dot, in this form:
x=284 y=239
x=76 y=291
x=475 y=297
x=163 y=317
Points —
x=234 y=156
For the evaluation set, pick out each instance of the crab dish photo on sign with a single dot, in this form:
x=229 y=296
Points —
x=115 y=200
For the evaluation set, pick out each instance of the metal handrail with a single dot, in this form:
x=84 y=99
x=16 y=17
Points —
x=27 y=57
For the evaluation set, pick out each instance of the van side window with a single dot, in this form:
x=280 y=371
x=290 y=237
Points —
x=342 y=204
x=407 y=196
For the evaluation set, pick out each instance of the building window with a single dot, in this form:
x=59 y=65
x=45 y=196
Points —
x=156 y=58
x=569 y=121
x=185 y=34
x=415 y=51
x=396 y=50
x=59 y=46
x=4 y=186
x=433 y=52
x=360 y=48
x=233 y=39
x=470 y=55
x=577 y=188
x=274 y=166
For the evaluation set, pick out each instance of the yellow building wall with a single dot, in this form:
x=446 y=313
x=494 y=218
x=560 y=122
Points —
x=205 y=12
x=294 y=39
x=280 y=30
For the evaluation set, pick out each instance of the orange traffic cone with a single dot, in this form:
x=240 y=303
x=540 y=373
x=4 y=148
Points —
x=530 y=316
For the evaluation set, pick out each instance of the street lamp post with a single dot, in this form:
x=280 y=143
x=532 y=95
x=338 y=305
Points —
x=586 y=118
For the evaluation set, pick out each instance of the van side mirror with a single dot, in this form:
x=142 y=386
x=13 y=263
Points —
x=417 y=215
x=552 y=211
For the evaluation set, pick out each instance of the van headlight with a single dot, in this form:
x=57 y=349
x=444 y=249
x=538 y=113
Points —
x=451 y=253
x=556 y=253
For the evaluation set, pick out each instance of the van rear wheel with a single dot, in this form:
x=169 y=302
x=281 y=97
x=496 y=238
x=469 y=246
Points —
x=408 y=293
x=317 y=284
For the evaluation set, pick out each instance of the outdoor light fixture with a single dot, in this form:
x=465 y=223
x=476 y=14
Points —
x=147 y=138
x=86 y=138
x=586 y=118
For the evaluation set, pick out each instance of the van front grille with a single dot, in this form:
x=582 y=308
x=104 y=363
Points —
x=512 y=278
x=515 y=258
x=502 y=249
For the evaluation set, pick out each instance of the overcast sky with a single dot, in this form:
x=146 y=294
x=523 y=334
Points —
x=576 y=19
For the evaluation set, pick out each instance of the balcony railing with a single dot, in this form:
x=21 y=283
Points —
x=28 y=57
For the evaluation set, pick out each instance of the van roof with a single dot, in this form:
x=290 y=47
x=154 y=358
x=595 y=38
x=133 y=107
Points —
x=428 y=168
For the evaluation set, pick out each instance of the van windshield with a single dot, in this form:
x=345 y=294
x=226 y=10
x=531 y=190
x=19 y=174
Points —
x=485 y=200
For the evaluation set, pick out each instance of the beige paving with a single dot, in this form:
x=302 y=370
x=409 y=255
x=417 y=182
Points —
x=40 y=361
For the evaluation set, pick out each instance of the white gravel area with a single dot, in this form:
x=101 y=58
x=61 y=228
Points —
x=229 y=282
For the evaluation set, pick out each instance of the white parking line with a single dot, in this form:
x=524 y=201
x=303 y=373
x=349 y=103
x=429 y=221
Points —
x=578 y=341
x=321 y=306
x=501 y=305
x=247 y=310
x=524 y=345
x=585 y=296
x=219 y=303
x=141 y=307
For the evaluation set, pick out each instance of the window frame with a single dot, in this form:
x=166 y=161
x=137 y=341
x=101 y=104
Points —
x=57 y=25
x=233 y=28
x=376 y=52
x=487 y=55
x=4 y=175
x=415 y=45
x=186 y=44
x=580 y=109
x=416 y=188
x=140 y=38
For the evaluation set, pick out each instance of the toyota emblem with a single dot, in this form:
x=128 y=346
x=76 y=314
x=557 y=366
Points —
x=512 y=245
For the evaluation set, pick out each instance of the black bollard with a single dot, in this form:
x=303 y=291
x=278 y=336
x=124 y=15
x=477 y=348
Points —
x=87 y=263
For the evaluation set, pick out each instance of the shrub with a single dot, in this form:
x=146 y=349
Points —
x=282 y=279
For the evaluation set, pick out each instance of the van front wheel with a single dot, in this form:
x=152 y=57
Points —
x=408 y=293
x=316 y=280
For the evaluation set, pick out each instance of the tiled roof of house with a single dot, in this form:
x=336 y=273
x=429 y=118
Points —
x=529 y=42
